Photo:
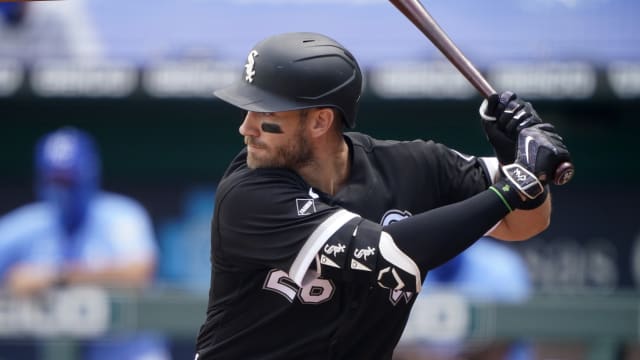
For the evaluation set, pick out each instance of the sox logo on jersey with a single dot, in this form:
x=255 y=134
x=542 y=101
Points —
x=364 y=253
x=334 y=249
x=389 y=217
x=394 y=215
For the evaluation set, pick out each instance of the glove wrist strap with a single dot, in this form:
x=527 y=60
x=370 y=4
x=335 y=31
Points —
x=519 y=188
x=523 y=180
x=534 y=203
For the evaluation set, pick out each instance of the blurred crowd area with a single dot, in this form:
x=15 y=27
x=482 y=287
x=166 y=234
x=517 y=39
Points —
x=136 y=79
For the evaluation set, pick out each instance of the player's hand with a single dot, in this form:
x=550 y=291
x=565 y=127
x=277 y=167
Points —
x=503 y=117
x=540 y=150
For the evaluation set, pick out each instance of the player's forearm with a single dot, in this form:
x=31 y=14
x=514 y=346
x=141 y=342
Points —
x=133 y=275
x=436 y=236
x=522 y=225
x=26 y=280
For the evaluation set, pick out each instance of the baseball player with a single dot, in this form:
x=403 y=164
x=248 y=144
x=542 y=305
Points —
x=309 y=258
x=77 y=233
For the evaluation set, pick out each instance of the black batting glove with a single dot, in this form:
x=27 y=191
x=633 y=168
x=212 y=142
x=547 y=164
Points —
x=539 y=152
x=503 y=117
x=541 y=149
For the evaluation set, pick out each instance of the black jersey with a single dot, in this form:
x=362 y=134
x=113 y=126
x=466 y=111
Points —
x=268 y=228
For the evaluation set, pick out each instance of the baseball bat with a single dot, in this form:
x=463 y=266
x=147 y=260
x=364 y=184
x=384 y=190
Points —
x=418 y=15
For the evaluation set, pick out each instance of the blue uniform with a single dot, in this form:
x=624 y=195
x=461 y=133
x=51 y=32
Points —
x=75 y=225
x=117 y=231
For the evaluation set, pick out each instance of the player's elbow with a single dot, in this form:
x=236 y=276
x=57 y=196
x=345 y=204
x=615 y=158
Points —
x=521 y=225
x=535 y=224
x=536 y=228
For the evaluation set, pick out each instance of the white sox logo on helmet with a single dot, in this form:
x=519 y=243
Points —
x=250 y=70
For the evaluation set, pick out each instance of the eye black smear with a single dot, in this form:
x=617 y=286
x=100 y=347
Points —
x=271 y=128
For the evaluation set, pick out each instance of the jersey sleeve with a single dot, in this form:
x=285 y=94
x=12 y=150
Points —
x=420 y=174
x=27 y=236
x=458 y=175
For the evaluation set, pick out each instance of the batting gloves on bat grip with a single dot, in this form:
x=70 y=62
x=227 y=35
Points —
x=503 y=117
x=540 y=150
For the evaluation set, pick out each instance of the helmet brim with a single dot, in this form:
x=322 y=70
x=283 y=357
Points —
x=252 y=98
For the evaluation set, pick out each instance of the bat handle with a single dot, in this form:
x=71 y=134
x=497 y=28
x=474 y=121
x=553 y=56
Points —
x=564 y=173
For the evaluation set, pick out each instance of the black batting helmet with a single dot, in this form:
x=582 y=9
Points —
x=298 y=70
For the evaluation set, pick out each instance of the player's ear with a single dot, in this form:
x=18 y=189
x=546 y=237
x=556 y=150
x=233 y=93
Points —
x=321 y=120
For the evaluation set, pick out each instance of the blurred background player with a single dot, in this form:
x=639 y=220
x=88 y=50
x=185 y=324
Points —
x=78 y=234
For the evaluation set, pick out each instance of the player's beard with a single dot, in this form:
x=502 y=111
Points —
x=292 y=155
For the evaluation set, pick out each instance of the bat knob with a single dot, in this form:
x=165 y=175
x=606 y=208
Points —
x=564 y=173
